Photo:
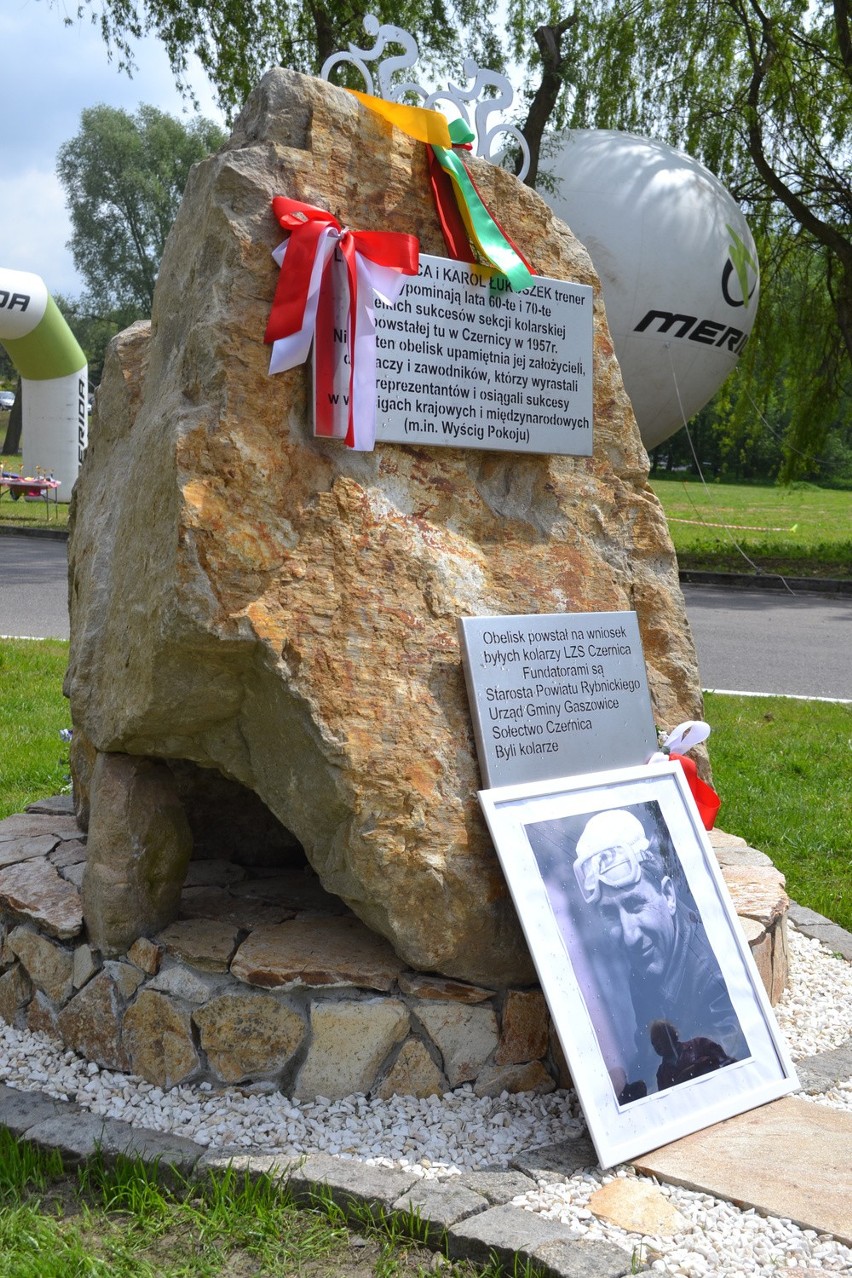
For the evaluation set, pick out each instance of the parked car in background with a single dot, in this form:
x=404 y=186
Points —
x=7 y=401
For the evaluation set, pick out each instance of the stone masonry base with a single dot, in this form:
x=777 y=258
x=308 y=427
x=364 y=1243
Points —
x=266 y=980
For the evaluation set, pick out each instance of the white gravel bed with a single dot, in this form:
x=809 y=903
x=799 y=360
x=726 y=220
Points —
x=444 y=1136
x=815 y=1011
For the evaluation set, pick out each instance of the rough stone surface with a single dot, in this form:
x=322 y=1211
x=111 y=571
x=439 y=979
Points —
x=139 y=847
x=14 y=850
x=349 y=1042
x=158 y=1037
x=506 y=1232
x=827 y=1069
x=497 y=1186
x=772 y=955
x=207 y=944
x=320 y=950
x=40 y=1016
x=523 y=1028
x=289 y=617
x=424 y=986
x=15 y=990
x=85 y=965
x=125 y=976
x=465 y=1037
x=413 y=1073
x=243 y=911
x=638 y=1206
x=351 y=1184
x=71 y=852
x=838 y=940
x=439 y=1205
x=247 y=1034
x=584 y=1259
x=560 y=1160
x=35 y=891
x=49 y=966
x=91 y=1023
x=757 y=892
x=30 y=825
x=180 y=981
x=529 y=1077
x=21 y=1110
x=146 y=954
x=770 y=1159
x=54 y=805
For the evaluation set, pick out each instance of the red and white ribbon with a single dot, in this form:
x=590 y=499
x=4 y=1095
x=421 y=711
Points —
x=330 y=280
x=684 y=737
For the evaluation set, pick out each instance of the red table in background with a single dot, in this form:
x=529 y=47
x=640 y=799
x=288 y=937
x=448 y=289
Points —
x=31 y=489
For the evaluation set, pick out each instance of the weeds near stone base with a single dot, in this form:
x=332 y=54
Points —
x=122 y=1220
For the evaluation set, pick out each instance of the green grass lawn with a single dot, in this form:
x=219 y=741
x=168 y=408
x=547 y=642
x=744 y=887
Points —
x=33 y=711
x=801 y=531
x=782 y=769
x=121 y=1222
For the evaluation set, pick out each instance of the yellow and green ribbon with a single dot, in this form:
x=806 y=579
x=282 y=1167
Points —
x=482 y=230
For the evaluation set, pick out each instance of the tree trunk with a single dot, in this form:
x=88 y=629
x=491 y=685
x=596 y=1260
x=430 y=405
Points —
x=549 y=41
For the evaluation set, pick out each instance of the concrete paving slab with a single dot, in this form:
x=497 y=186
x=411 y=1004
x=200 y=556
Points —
x=826 y=1070
x=790 y=1158
x=497 y=1186
x=505 y=1232
x=353 y=1186
x=19 y=1111
x=558 y=1161
x=438 y=1205
x=585 y=1260
x=832 y=935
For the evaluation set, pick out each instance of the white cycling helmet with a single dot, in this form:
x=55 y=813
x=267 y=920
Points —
x=611 y=851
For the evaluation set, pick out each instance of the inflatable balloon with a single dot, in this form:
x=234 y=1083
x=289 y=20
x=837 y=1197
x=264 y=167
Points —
x=54 y=378
x=677 y=265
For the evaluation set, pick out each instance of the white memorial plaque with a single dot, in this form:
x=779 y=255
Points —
x=462 y=361
x=556 y=695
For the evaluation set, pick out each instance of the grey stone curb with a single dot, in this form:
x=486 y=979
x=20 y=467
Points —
x=55 y=534
x=766 y=581
x=470 y=1215
x=811 y=924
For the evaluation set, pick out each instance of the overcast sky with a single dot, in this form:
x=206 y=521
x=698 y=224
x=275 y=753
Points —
x=48 y=74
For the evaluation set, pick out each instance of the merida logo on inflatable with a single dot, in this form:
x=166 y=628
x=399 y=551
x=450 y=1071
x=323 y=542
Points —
x=13 y=301
x=740 y=260
x=708 y=332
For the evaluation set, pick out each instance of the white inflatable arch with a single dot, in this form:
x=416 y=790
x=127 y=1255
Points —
x=54 y=378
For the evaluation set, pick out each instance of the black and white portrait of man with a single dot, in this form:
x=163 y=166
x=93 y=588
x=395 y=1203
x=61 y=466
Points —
x=652 y=985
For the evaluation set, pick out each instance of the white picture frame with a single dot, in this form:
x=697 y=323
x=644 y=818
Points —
x=609 y=951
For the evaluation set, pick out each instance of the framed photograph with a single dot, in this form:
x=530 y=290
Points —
x=658 y=1004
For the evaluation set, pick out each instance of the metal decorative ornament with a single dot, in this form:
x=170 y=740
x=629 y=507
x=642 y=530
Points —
x=468 y=102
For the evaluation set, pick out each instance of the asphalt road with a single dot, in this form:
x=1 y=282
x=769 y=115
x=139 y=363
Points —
x=768 y=641
x=33 y=587
x=747 y=641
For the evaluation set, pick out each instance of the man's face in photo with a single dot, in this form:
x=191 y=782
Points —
x=641 y=918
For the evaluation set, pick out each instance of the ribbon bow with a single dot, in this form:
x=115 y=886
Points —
x=328 y=270
x=684 y=737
